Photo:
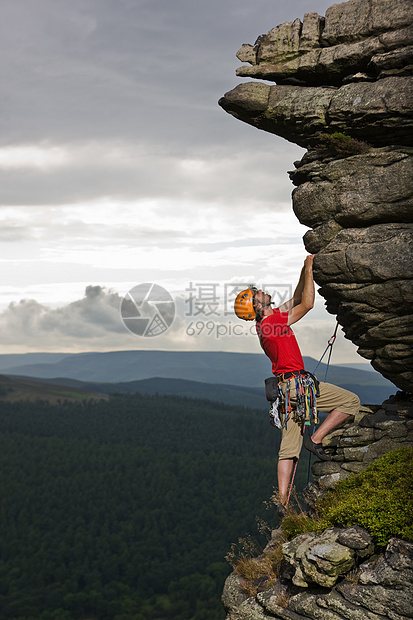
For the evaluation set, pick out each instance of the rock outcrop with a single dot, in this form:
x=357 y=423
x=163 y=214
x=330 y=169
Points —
x=380 y=589
x=338 y=575
x=322 y=559
x=344 y=92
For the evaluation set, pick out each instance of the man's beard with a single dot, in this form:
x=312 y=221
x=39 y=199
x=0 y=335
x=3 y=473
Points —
x=258 y=314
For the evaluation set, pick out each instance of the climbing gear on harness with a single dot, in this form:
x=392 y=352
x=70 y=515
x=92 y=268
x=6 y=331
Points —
x=330 y=344
x=275 y=416
x=306 y=389
x=244 y=304
x=317 y=449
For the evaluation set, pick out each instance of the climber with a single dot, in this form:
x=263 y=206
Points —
x=279 y=343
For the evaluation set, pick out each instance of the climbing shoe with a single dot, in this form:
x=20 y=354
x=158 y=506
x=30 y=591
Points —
x=317 y=449
x=281 y=511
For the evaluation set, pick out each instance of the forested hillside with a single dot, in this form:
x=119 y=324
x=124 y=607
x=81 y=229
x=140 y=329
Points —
x=125 y=509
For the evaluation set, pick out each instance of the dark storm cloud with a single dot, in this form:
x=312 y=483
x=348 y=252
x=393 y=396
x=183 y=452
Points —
x=119 y=95
x=103 y=69
x=139 y=72
x=31 y=323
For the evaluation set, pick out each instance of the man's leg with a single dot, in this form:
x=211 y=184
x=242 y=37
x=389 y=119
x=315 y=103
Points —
x=290 y=448
x=334 y=419
x=340 y=404
x=285 y=469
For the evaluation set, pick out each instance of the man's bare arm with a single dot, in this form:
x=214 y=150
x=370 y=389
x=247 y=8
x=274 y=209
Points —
x=307 y=296
x=296 y=298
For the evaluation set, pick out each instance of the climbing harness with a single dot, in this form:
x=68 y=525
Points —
x=306 y=388
x=330 y=344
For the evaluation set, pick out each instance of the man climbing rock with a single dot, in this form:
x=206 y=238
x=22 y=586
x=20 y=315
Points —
x=295 y=386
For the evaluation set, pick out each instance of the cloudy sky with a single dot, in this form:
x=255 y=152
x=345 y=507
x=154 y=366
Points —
x=119 y=168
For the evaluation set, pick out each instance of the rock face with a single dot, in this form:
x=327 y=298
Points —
x=337 y=575
x=344 y=92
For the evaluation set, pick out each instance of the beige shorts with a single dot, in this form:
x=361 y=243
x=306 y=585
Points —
x=331 y=397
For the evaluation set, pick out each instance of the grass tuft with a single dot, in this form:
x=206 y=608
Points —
x=339 y=143
x=283 y=599
x=256 y=568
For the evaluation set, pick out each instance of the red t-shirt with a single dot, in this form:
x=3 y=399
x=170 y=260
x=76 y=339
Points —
x=279 y=343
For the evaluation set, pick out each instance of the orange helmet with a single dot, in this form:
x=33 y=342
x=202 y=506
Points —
x=244 y=304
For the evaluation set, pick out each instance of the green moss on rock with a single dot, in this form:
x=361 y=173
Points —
x=380 y=499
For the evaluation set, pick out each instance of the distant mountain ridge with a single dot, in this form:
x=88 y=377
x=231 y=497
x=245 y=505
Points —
x=10 y=360
x=206 y=367
x=16 y=387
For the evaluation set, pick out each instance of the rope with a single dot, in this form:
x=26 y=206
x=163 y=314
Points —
x=309 y=459
x=330 y=344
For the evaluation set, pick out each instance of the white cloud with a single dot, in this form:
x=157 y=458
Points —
x=33 y=156
x=91 y=318
x=111 y=240
x=234 y=177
